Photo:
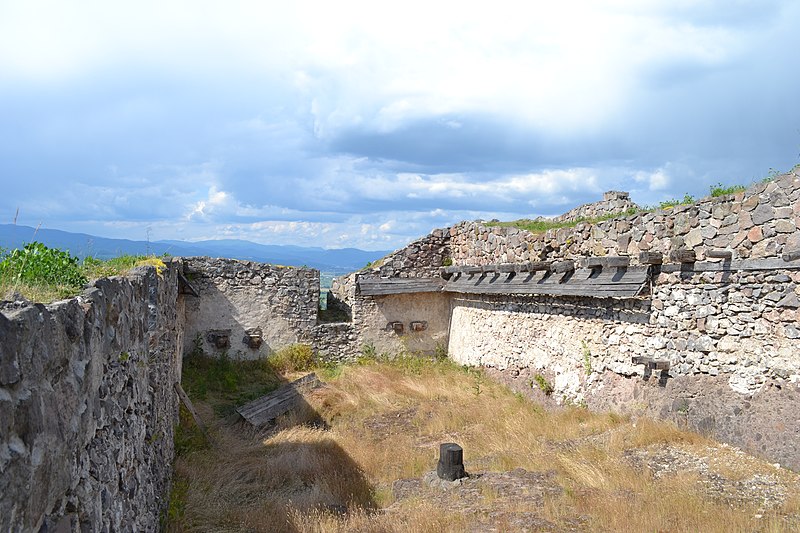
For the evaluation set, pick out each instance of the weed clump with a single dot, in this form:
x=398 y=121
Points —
x=292 y=358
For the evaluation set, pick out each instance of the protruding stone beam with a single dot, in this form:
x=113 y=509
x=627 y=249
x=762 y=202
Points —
x=651 y=258
x=605 y=262
x=683 y=256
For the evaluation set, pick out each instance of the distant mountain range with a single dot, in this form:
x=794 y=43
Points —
x=337 y=260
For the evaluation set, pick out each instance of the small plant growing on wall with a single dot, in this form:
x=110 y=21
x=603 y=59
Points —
x=587 y=358
x=543 y=384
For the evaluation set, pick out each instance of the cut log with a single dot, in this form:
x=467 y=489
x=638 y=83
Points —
x=719 y=254
x=683 y=256
x=651 y=258
x=534 y=266
x=560 y=267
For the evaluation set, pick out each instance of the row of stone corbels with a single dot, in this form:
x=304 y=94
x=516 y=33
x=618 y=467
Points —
x=757 y=223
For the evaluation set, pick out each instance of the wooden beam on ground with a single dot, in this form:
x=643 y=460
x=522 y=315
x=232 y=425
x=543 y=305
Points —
x=267 y=408
x=790 y=255
x=534 y=266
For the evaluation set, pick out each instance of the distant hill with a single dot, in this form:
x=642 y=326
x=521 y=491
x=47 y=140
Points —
x=82 y=244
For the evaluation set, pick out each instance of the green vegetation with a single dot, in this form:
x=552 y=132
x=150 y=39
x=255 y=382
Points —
x=376 y=423
x=40 y=273
x=587 y=358
x=43 y=274
x=292 y=358
x=226 y=383
x=543 y=384
x=669 y=204
x=543 y=225
x=720 y=190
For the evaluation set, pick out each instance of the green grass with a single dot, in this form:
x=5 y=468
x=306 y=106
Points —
x=721 y=190
x=42 y=274
x=541 y=226
x=225 y=383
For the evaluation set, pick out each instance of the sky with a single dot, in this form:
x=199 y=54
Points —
x=368 y=124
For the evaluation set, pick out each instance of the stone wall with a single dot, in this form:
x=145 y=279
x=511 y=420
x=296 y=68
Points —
x=249 y=309
x=732 y=349
x=727 y=329
x=373 y=317
x=87 y=406
x=613 y=203
x=759 y=222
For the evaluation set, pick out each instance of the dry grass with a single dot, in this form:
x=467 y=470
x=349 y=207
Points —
x=384 y=421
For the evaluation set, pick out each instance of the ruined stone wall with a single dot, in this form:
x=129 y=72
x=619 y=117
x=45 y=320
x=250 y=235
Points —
x=759 y=222
x=613 y=203
x=374 y=317
x=249 y=309
x=731 y=341
x=87 y=406
x=422 y=258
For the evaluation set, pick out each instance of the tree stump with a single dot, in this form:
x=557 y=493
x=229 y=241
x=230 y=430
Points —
x=451 y=462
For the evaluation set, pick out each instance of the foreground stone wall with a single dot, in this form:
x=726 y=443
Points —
x=87 y=406
x=249 y=309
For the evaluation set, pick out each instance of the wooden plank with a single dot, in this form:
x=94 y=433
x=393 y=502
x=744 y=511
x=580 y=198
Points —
x=190 y=407
x=387 y=286
x=507 y=268
x=184 y=287
x=267 y=408
x=772 y=263
x=583 y=282
x=651 y=363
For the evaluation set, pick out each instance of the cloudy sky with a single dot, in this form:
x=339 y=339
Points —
x=369 y=123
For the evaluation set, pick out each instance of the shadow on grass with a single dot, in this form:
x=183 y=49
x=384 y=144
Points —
x=256 y=479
